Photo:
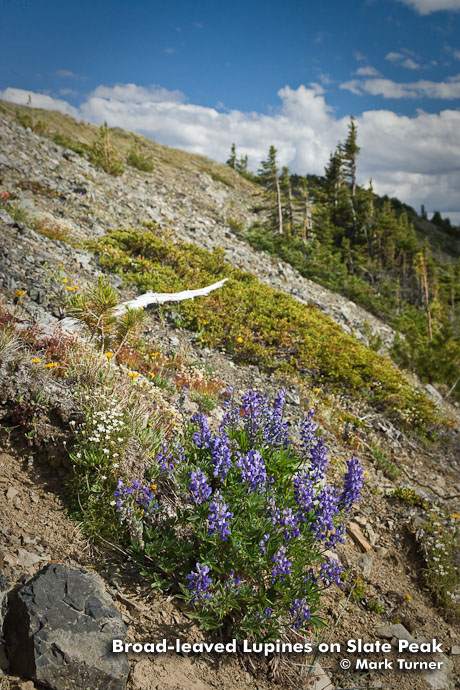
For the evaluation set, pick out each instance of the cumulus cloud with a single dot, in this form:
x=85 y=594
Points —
x=414 y=158
x=67 y=74
x=429 y=6
x=408 y=63
x=394 y=57
x=131 y=93
x=402 y=60
x=368 y=71
x=37 y=100
x=445 y=90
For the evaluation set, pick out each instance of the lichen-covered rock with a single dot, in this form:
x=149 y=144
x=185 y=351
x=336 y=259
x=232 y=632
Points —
x=59 y=630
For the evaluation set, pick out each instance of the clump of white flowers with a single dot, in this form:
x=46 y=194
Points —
x=439 y=540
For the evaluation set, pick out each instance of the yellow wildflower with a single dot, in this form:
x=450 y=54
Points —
x=36 y=360
x=154 y=486
x=50 y=365
x=71 y=289
x=455 y=515
x=316 y=390
x=133 y=374
x=65 y=280
x=154 y=354
x=109 y=355
x=408 y=597
x=21 y=293
x=239 y=340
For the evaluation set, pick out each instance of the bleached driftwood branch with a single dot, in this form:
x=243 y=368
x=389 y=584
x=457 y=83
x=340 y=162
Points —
x=162 y=297
x=70 y=324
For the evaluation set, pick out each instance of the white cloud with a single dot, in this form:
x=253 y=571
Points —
x=429 y=6
x=394 y=57
x=402 y=59
x=445 y=90
x=131 y=93
x=368 y=71
x=38 y=100
x=67 y=74
x=408 y=63
x=414 y=158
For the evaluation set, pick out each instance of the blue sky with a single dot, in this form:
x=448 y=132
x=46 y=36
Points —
x=199 y=75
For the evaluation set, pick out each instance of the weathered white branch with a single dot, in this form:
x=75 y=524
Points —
x=162 y=297
x=69 y=324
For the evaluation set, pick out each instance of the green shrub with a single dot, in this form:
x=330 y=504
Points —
x=96 y=309
x=29 y=122
x=102 y=154
x=76 y=146
x=140 y=161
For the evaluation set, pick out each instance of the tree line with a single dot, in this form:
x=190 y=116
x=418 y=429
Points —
x=346 y=237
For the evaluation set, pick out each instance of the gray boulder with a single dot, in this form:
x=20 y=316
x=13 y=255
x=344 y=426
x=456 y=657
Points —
x=59 y=630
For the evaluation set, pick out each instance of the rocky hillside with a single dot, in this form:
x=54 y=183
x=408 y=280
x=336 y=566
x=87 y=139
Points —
x=57 y=219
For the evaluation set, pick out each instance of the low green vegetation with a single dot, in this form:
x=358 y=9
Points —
x=29 y=121
x=260 y=325
x=439 y=539
x=103 y=155
x=136 y=158
x=389 y=468
x=67 y=142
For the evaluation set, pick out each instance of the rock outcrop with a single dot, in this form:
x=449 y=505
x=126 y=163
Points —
x=59 y=629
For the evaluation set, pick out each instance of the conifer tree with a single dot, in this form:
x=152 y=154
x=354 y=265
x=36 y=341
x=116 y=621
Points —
x=231 y=161
x=268 y=175
x=286 y=190
x=350 y=155
x=242 y=165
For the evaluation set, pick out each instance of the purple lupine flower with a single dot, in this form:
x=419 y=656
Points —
x=168 y=459
x=230 y=419
x=307 y=433
x=300 y=613
x=337 y=536
x=318 y=460
x=201 y=437
x=228 y=398
x=199 y=487
x=282 y=565
x=353 y=483
x=221 y=454
x=330 y=572
x=199 y=581
x=219 y=517
x=289 y=521
x=253 y=405
x=253 y=470
x=164 y=459
x=275 y=429
x=303 y=494
x=233 y=582
x=263 y=542
x=141 y=494
x=326 y=509
x=268 y=612
x=146 y=499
